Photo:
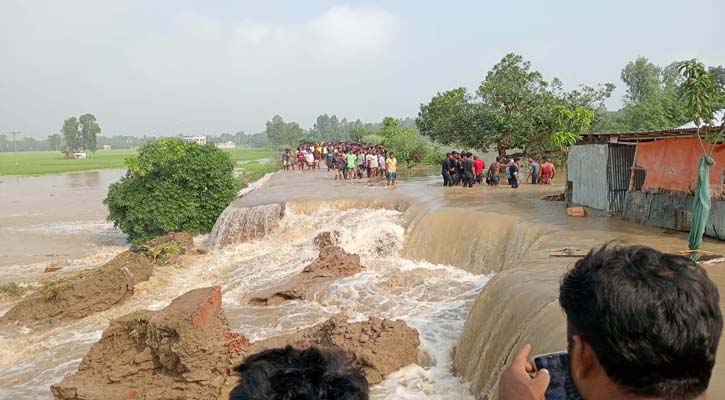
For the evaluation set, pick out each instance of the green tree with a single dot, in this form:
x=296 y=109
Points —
x=719 y=74
x=282 y=133
x=171 y=185
x=571 y=123
x=89 y=131
x=512 y=96
x=702 y=94
x=642 y=79
x=449 y=118
x=240 y=138
x=71 y=136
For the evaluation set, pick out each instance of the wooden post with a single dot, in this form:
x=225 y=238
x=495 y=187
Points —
x=633 y=169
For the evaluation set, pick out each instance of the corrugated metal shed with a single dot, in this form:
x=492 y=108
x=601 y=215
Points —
x=587 y=171
x=619 y=162
x=599 y=174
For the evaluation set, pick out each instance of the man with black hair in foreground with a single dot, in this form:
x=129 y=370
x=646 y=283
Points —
x=289 y=373
x=641 y=324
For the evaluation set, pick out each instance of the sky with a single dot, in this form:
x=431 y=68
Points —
x=166 y=67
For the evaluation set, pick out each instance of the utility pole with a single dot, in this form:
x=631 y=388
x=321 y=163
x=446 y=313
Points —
x=15 y=148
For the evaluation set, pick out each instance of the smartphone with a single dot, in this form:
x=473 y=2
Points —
x=561 y=386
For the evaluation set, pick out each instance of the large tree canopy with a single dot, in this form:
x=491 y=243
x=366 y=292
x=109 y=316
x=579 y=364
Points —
x=283 y=133
x=514 y=107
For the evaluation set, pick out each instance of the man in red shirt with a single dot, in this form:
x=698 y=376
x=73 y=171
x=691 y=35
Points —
x=547 y=172
x=478 y=166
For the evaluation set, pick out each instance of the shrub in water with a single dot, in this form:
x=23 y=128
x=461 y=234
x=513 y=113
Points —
x=171 y=186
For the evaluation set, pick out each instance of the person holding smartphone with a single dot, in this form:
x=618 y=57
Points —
x=641 y=324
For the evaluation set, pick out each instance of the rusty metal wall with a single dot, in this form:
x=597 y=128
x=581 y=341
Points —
x=619 y=162
x=671 y=212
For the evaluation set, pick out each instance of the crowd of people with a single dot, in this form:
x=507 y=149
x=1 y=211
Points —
x=465 y=168
x=348 y=160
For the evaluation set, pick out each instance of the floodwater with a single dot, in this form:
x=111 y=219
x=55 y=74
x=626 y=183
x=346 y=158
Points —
x=428 y=252
x=55 y=219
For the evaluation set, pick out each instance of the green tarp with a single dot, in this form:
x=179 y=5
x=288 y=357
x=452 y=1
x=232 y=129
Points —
x=702 y=203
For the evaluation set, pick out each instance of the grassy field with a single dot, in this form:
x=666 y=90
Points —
x=52 y=162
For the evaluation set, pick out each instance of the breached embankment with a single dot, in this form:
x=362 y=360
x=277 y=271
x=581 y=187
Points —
x=396 y=236
x=187 y=351
x=77 y=296
x=478 y=242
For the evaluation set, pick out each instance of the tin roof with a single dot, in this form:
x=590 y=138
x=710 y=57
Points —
x=636 y=136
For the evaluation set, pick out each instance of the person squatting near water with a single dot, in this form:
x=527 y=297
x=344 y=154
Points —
x=289 y=373
x=465 y=169
x=349 y=160
x=641 y=324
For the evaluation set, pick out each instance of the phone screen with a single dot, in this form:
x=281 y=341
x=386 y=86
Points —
x=560 y=387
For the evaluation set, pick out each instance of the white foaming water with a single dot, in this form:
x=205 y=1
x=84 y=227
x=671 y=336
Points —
x=434 y=299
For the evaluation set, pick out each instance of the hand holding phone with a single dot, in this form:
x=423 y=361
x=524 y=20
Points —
x=518 y=381
x=561 y=386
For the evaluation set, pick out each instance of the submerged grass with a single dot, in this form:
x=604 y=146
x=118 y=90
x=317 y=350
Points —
x=12 y=289
x=253 y=170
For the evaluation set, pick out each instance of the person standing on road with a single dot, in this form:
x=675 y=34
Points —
x=547 y=172
x=351 y=164
x=534 y=170
x=494 y=172
x=391 y=167
x=446 y=170
x=513 y=171
x=467 y=167
x=478 y=167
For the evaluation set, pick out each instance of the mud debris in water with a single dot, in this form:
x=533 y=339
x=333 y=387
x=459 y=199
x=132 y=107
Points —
x=187 y=350
x=332 y=264
x=76 y=296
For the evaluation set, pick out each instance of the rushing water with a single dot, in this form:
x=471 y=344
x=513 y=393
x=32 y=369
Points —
x=433 y=298
x=427 y=252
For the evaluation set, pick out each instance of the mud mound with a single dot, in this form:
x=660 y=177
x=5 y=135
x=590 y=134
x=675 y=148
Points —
x=332 y=263
x=186 y=351
x=180 y=352
x=77 y=296
x=378 y=347
x=326 y=239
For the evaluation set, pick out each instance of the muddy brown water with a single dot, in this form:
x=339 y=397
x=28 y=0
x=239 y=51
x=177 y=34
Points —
x=469 y=268
x=54 y=218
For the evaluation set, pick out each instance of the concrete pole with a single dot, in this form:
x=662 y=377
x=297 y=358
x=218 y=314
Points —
x=15 y=147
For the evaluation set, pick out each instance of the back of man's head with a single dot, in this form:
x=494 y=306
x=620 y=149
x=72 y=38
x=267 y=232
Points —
x=289 y=373
x=652 y=319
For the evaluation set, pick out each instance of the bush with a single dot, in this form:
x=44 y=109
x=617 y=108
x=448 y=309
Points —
x=409 y=147
x=171 y=186
x=373 y=139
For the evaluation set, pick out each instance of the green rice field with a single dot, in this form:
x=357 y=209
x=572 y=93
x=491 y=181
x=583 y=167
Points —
x=53 y=162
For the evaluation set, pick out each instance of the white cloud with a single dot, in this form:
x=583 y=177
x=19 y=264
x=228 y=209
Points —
x=145 y=70
x=344 y=28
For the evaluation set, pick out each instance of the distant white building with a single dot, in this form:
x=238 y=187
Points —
x=717 y=119
x=196 y=139
x=227 y=145
x=106 y=147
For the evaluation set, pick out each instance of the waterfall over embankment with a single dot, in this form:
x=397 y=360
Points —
x=518 y=305
x=238 y=224
x=477 y=242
